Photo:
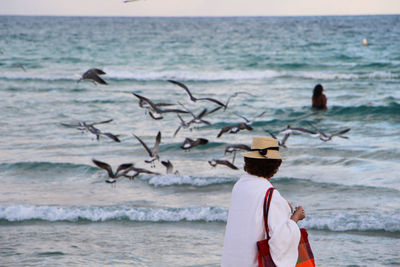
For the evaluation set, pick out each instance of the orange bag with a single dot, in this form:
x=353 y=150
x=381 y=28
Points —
x=306 y=257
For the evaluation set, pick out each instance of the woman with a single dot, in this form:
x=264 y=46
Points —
x=245 y=225
x=318 y=98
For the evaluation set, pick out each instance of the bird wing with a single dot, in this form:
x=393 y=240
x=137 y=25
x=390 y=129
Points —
x=212 y=100
x=157 y=143
x=153 y=106
x=97 y=71
x=140 y=170
x=318 y=130
x=154 y=117
x=259 y=115
x=177 y=130
x=112 y=136
x=70 y=125
x=271 y=134
x=241 y=116
x=242 y=147
x=227 y=163
x=303 y=130
x=168 y=165
x=224 y=130
x=201 y=141
x=341 y=132
x=184 y=87
x=214 y=110
x=144 y=145
x=243 y=126
x=285 y=138
x=92 y=75
x=123 y=166
x=171 y=110
x=101 y=122
x=202 y=114
x=104 y=166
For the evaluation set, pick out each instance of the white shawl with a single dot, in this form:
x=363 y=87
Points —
x=245 y=226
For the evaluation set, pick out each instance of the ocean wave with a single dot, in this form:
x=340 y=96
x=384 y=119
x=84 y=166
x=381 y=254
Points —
x=389 y=111
x=336 y=221
x=19 y=213
x=354 y=221
x=171 y=179
x=211 y=76
x=43 y=169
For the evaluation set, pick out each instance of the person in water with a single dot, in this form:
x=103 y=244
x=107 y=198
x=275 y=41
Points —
x=319 y=98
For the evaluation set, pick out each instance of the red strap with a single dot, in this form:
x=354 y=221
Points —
x=267 y=202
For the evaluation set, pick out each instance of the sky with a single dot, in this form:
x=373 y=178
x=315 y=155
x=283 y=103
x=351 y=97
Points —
x=198 y=7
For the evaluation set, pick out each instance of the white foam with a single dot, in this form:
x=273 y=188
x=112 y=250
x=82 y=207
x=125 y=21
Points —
x=51 y=213
x=354 y=221
x=332 y=221
x=171 y=179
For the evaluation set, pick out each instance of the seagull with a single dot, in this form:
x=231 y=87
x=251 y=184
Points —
x=194 y=99
x=153 y=154
x=249 y=121
x=235 y=95
x=132 y=172
x=197 y=119
x=93 y=76
x=281 y=143
x=85 y=124
x=297 y=131
x=99 y=133
x=215 y=162
x=21 y=67
x=190 y=143
x=89 y=127
x=324 y=136
x=234 y=128
x=154 y=111
x=235 y=148
x=169 y=166
x=112 y=176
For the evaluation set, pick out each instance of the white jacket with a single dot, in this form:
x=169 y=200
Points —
x=245 y=226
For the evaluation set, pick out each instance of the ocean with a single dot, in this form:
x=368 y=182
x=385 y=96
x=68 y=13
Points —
x=57 y=210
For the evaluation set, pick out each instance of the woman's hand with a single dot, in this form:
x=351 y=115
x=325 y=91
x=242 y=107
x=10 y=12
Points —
x=299 y=214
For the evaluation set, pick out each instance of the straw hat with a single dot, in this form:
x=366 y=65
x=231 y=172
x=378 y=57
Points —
x=263 y=148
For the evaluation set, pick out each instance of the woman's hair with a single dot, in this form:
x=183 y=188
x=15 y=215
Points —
x=262 y=167
x=318 y=90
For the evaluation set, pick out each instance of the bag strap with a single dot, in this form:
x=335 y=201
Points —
x=267 y=202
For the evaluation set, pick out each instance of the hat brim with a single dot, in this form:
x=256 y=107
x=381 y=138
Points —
x=272 y=154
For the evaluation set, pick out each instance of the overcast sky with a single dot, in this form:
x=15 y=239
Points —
x=198 y=7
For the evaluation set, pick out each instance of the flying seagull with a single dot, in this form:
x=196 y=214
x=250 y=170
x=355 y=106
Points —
x=249 y=121
x=189 y=143
x=112 y=175
x=132 y=172
x=215 y=162
x=324 y=136
x=234 y=148
x=234 y=128
x=282 y=142
x=93 y=76
x=194 y=99
x=154 y=111
x=297 y=131
x=235 y=95
x=169 y=166
x=153 y=154
x=89 y=127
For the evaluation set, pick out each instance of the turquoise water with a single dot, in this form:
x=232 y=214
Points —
x=56 y=209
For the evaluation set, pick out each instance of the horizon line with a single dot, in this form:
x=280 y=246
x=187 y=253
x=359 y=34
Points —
x=196 y=16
